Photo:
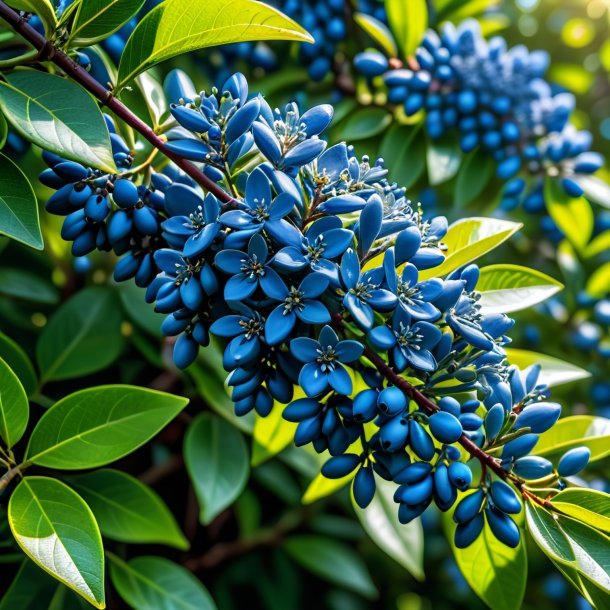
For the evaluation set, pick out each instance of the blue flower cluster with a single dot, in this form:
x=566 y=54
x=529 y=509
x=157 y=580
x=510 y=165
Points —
x=497 y=99
x=319 y=273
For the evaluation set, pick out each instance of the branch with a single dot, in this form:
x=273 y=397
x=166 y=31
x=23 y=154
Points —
x=47 y=51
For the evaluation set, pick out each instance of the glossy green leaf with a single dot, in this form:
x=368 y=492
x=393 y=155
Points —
x=66 y=599
x=18 y=208
x=508 y=288
x=22 y=284
x=470 y=238
x=3 y=130
x=598 y=245
x=365 y=123
x=81 y=337
x=18 y=360
x=553 y=371
x=181 y=26
x=271 y=435
x=443 y=158
x=154 y=96
x=29 y=586
x=138 y=310
x=96 y=426
x=378 y=31
x=403 y=543
x=496 y=573
x=598 y=283
x=408 y=21
x=321 y=487
x=14 y=406
x=576 y=431
x=155 y=583
x=97 y=19
x=573 y=215
x=474 y=176
x=547 y=534
x=58 y=115
x=332 y=561
x=216 y=458
x=407 y=149
x=596 y=190
x=127 y=510
x=43 y=8
x=57 y=530
x=587 y=505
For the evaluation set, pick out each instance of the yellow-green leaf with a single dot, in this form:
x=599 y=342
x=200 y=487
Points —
x=587 y=505
x=43 y=8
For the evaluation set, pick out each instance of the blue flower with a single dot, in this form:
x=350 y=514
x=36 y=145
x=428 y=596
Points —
x=323 y=362
x=411 y=344
x=363 y=292
x=298 y=303
x=249 y=270
x=194 y=233
x=260 y=211
x=245 y=331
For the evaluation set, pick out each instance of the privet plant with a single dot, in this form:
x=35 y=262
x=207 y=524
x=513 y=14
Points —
x=347 y=318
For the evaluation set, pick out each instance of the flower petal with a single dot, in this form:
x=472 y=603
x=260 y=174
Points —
x=313 y=312
x=305 y=349
x=340 y=380
x=348 y=350
x=279 y=325
x=313 y=380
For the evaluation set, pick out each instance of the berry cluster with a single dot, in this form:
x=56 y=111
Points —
x=496 y=98
x=319 y=273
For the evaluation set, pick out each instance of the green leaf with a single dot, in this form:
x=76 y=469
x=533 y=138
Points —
x=18 y=208
x=181 y=26
x=587 y=505
x=408 y=21
x=407 y=149
x=154 y=96
x=29 y=586
x=14 y=406
x=378 y=31
x=333 y=561
x=321 y=487
x=127 y=510
x=17 y=359
x=576 y=431
x=547 y=534
x=3 y=130
x=365 y=123
x=57 y=530
x=216 y=458
x=476 y=171
x=470 y=238
x=22 y=284
x=598 y=245
x=81 y=337
x=271 y=435
x=96 y=426
x=599 y=282
x=553 y=371
x=573 y=215
x=443 y=158
x=154 y=583
x=43 y=8
x=138 y=310
x=97 y=19
x=57 y=115
x=508 y=288
x=403 y=543
x=596 y=190
x=496 y=573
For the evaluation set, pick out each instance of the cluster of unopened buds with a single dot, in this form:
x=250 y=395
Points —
x=319 y=273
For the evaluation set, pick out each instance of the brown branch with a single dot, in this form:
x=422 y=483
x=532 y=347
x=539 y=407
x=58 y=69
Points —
x=47 y=51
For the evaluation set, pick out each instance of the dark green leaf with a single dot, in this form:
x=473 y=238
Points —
x=97 y=19
x=29 y=586
x=138 y=311
x=153 y=583
x=14 y=406
x=365 y=123
x=332 y=561
x=443 y=158
x=58 y=115
x=82 y=336
x=407 y=151
x=18 y=207
x=181 y=26
x=408 y=21
x=477 y=169
x=216 y=458
x=3 y=130
x=23 y=284
x=96 y=426
x=18 y=360
x=127 y=510
x=57 y=530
